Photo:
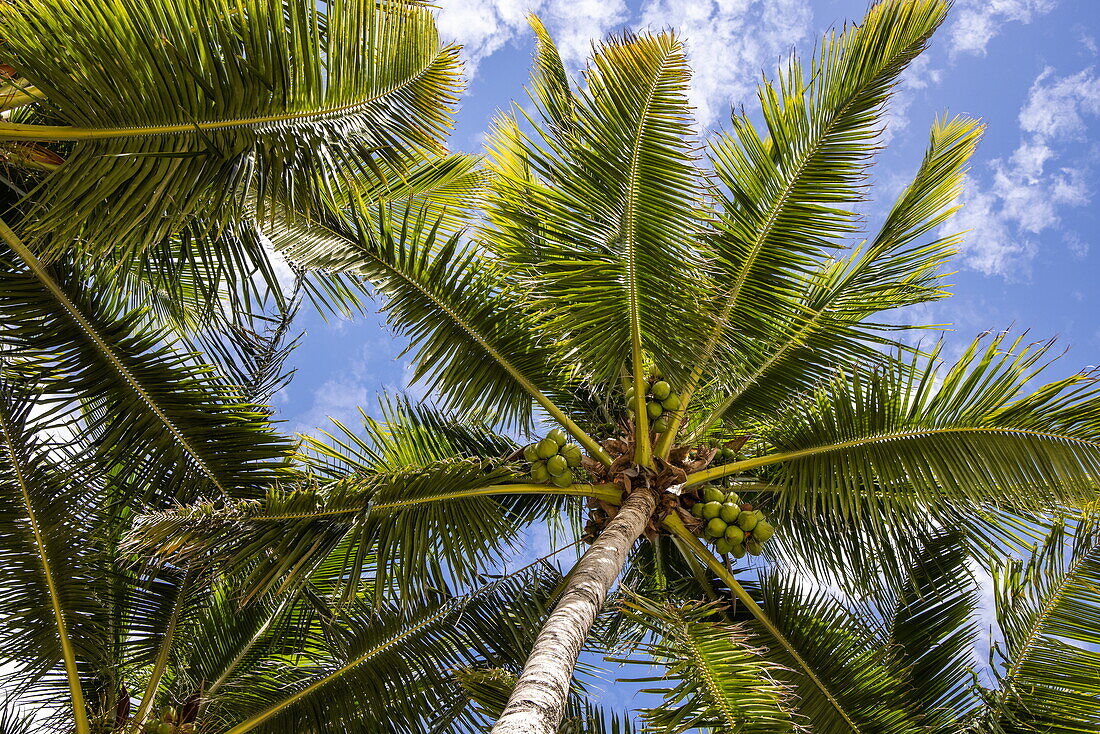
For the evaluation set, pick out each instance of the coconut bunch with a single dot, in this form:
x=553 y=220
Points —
x=170 y=722
x=553 y=459
x=732 y=525
x=659 y=400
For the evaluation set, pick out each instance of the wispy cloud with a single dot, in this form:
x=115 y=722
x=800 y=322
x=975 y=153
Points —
x=976 y=22
x=730 y=44
x=1027 y=191
x=485 y=26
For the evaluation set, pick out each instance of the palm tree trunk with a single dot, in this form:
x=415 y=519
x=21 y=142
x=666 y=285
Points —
x=537 y=703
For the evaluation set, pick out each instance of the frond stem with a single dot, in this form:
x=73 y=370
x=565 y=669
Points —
x=47 y=280
x=748 y=464
x=68 y=652
x=161 y=663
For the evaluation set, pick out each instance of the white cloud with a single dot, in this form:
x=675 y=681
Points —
x=485 y=26
x=976 y=22
x=1028 y=191
x=1057 y=109
x=730 y=42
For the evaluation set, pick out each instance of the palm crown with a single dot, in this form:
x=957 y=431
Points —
x=614 y=254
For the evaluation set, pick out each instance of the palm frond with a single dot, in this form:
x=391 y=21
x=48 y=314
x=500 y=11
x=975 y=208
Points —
x=156 y=410
x=49 y=612
x=598 y=213
x=898 y=267
x=918 y=436
x=188 y=111
x=866 y=689
x=416 y=528
x=1048 y=608
x=786 y=194
x=715 y=679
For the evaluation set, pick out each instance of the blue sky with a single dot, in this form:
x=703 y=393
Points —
x=1030 y=69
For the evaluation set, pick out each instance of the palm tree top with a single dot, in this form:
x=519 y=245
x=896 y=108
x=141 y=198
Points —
x=703 y=321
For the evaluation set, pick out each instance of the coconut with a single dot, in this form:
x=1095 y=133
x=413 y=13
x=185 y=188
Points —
x=713 y=494
x=734 y=534
x=753 y=547
x=723 y=546
x=547 y=447
x=630 y=393
x=661 y=389
x=729 y=512
x=697 y=509
x=558 y=435
x=572 y=454
x=711 y=510
x=763 y=531
x=661 y=424
x=557 y=465
x=539 y=474
x=564 y=479
x=732 y=498
x=716 y=528
x=530 y=453
x=654 y=410
x=672 y=402
x=746 y=520
x=738 y=550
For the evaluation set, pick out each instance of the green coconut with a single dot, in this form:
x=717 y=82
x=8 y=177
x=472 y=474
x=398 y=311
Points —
x=557 y=465
x=735 y=534
x=738 y=550
x=672 y=402
x=723 y=546
x=546 y=448
x=661 y=389
x=711 y=510
x=530 y=453
x=763 y=531
x=630 y=393
x=654 y=410
x=716 y=528
x=697 y=509
x=753 y=547
x=733 y=499
x=559 y=436
x=564 y=479
x=539 y=473
x=746 y=520
x=661 y=424
x=572 y=454
x=729 y=512
x=713 y=494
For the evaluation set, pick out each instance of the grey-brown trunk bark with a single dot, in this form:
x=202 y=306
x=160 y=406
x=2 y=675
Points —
x=538 y=702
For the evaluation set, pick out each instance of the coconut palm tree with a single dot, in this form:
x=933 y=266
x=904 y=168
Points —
x=688 y=315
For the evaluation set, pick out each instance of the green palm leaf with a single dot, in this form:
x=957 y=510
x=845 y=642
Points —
x=47 y=513
x=897 y=268
x=911 y=437
x=602 y=220
x=155 y=409
x=1048 y=608
x=715 y=679
x=189 y=109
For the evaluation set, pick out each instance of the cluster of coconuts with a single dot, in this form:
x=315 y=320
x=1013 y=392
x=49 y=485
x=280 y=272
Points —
x=168 y=724
x=733 y=526
x=659 y=399
x=553 y=458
